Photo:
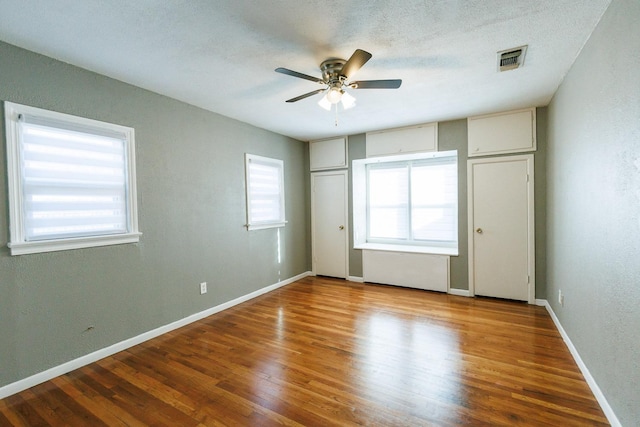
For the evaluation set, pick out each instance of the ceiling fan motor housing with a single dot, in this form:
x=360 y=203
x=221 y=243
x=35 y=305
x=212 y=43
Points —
x=331 y=71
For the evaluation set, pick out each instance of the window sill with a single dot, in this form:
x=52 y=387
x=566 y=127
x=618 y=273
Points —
x=252 y=227
x=23 y=248
x=432 y=250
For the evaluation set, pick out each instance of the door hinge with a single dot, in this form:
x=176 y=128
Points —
x=528 y=279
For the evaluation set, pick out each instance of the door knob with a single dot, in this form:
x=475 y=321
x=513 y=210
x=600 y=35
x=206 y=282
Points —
x=479 y=230
x=341 y=227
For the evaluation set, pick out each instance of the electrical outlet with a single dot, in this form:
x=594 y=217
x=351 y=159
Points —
x=560 y=298
x=203 y=288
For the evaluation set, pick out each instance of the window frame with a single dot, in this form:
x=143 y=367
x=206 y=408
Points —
x=18 y=244
x=361 y=208
x=279 y=164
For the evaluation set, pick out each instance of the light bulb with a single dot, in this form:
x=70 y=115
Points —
x=334 y=95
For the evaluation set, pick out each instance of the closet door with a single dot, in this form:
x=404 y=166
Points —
x=329 y=221
x=501 y=234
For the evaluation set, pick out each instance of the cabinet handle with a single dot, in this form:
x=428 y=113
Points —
x=341 y=227
x=479 y=231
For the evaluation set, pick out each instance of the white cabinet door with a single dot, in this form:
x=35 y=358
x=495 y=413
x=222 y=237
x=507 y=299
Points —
x=501 y=227
x=510 y=132
x=329 y=234
x=414 y=139
x=328 y=154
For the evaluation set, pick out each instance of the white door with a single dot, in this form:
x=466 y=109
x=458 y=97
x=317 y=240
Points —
x=329 y=234
x=501 y=234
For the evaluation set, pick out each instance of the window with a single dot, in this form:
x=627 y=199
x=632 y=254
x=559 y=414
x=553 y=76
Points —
x=71 y=181
x=265 y=192
x=407 y=203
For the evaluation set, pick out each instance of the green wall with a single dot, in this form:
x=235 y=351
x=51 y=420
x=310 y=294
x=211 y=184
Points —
x=191 y=200
x=593 y=209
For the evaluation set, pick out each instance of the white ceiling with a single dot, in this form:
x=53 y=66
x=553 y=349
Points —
x=221 y=55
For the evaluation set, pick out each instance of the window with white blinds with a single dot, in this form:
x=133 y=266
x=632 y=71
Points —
x=72 y=181
x=407 y=200
x=413 y=201
x=265 y=192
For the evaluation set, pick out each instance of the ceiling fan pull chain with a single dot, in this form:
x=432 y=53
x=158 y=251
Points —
x=336 y=106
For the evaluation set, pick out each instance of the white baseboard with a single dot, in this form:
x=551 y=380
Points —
x=602 y=400
x=459 y=292
x=56 y=371
x=355 y=279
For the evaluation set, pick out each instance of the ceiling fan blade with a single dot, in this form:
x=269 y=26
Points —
x=299 y=75
x=353 y=64
x=376 y=84
x=306 y=95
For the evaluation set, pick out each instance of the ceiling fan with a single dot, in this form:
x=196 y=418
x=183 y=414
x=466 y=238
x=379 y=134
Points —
x=336 y=73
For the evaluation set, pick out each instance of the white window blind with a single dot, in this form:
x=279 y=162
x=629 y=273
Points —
x=434 y=201
x=413 y=202
x=74 y=183
x=389 y=202
x=71 y=179
x=265 y=192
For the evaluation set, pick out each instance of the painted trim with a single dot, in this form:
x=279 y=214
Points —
x=71 y=365
x=355 y=279
x=602 y=400
x=410 y=249
x=459 y=292
x=24 y=248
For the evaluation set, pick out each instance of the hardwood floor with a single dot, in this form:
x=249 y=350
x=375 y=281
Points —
x=325 y=352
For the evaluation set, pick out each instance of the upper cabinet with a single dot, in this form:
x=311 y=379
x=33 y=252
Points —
x=411 y=139
x=328 y=154
x=509 y=132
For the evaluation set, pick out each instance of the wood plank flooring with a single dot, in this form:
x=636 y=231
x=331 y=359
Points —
x=326 y=352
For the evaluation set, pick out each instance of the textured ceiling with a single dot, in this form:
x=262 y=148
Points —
x=220 y=55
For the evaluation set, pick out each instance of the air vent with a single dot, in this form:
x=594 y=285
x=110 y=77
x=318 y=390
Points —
x=511 y=59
